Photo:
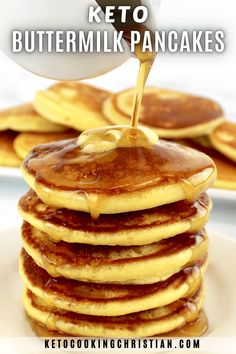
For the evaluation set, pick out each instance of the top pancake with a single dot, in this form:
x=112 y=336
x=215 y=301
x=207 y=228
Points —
x=122 y=179
x=172 y=114
x=223 y=138
x=24 y=118
x=73 y=104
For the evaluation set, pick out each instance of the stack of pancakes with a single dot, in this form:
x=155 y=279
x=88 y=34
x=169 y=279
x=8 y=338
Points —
x=113 y=235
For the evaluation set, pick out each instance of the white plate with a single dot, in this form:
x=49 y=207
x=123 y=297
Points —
x=225 y=194
x=221 y=287
x=10 y=172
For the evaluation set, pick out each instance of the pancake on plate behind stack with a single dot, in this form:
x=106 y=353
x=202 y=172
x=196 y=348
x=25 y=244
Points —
x=176 y=115
x=220 y=145
x=22 y=118
x=170 y=113
x=24 y=142
x=226 y=169
x=113 y=235
x=8 y=156
x=76 y=105
x=223 y=138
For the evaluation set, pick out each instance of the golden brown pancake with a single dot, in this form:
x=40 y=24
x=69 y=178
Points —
x=133 y=228
x=223 y=138
x=109 y=299
x=24 y=118
x=8 y=156
x=114 y=264
x=192 y=329
x=141 y=324
x=24 y=142
x=171 y=114
x=121 y=179
x=226 y=169
x=72 y=104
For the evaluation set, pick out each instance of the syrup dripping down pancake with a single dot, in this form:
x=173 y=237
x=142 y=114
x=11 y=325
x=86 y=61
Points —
x=114 y=264
x=171 y=114
x=142 y=324
x=133 y=228
x=24 y=118
x=122 y=179
x=109 y=299
x=72 y=104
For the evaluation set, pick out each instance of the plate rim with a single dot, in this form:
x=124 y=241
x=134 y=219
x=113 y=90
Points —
x=13 y=172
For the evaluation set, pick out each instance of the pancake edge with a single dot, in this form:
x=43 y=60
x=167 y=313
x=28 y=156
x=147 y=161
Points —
x=135 y=237
x=114 y=307
x=125 y=202
x=89 y=328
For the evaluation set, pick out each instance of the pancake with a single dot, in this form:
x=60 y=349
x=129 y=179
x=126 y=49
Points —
x=171 y=114
x=223 y=138
x=72 y=104
x=23 y=118
x=119 y=177
x=24 y=142
x=114 y=264
x=142 y=324
x=133 y=228
x=8 y=156
x=226 y=169
x=108 y=300
x=192 y=329
x=204 y=141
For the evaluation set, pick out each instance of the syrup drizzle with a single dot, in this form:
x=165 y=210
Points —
x=144 y=70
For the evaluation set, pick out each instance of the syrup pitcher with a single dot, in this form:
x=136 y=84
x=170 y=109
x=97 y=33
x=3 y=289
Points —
x=48 y=16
